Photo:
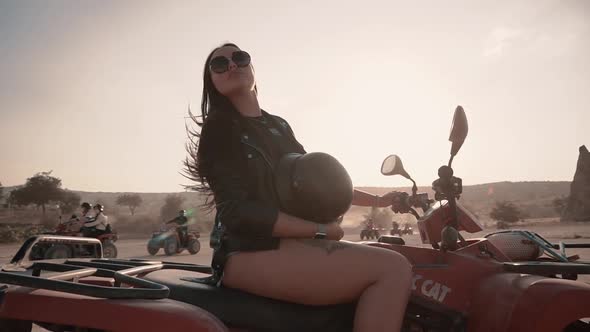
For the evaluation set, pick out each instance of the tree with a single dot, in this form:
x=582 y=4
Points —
x=69 y=201
x=559 y=204
x=15 y=198
x=505 y=212
x=1 y=191
x=130 y=200
x=172 y=204
x=40 y=189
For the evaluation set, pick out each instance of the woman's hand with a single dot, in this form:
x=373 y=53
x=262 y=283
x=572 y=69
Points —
x=335 y=232
x=397 y=200
x=362 y=198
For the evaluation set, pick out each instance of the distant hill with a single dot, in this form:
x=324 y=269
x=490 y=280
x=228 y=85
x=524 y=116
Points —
x=534 y=198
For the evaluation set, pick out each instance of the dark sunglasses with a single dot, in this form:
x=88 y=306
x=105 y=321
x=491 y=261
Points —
x=220 y=64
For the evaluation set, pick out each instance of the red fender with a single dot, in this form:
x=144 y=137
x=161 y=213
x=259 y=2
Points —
x=22 y=303
x=515 y=302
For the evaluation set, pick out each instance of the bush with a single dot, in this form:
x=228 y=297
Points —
x=19 y=233
x=506 y=212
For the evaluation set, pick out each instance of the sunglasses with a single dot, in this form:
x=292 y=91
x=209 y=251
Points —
x=220 y=64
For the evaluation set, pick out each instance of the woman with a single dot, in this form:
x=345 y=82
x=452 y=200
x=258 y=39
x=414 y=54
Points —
x=260 y=249
x=97 y=225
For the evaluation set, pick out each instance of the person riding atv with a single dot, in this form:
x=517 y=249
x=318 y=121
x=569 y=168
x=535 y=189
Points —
x=370 y=231
x=407 y=229
x=175 y=239
x=395 y=230
x=75 y=224
x=97 y=225
x=72 y=226
x=182 y=227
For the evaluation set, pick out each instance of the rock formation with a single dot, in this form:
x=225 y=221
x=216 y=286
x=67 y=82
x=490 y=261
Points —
x=578 y=205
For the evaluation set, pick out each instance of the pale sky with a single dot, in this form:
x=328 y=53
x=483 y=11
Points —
x=97 y=91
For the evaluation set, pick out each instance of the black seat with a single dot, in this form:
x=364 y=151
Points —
x=244 y=310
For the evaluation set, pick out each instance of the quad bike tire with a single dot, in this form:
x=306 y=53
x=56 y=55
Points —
x=171 y=247
x=109 y=250
x=193 y=246
x=58 y=251
x=152 y=249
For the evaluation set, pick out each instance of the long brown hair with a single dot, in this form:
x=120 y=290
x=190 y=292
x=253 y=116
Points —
x=217 y=108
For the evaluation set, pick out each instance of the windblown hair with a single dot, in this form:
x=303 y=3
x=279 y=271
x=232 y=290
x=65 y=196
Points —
x=215 y=108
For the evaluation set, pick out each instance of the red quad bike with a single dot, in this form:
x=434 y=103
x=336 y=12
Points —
x=169 y=239
x=506 y=281
x=107 y=239
x=40 y=247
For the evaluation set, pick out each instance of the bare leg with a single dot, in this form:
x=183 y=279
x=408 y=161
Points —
x=322 y=272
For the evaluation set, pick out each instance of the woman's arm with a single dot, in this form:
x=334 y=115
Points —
x=258 y=218
x=363 y=198
x=287 y=226
x=236 y=211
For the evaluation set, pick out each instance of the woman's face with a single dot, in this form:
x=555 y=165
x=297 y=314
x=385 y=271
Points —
x=236 y=79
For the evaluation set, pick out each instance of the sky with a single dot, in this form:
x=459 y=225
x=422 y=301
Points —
x=98 y=91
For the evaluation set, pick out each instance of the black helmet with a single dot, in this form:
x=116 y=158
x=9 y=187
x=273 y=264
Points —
x=86 y=205
x=313 y=186
x=99 y=207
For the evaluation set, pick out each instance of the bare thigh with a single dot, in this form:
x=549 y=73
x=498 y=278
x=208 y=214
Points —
x=313 y=272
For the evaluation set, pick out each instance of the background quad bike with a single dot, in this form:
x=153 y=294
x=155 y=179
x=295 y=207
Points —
x=401 y=231
x=109 y=249
x=369 y=234
x=169 y=240
x=62 y=251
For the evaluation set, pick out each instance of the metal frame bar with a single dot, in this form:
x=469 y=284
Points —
x=141 y=288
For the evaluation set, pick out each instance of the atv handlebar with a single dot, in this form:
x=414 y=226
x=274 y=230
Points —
x=405 y=202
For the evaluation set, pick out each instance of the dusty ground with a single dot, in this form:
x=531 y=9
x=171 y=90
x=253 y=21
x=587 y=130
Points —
x=136 y=248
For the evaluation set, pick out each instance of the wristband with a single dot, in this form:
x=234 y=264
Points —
x=322 y=232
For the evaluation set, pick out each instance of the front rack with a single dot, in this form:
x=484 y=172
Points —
x=68 y=275
x=65 y=277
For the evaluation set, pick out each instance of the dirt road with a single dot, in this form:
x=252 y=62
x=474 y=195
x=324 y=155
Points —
x=135 y=248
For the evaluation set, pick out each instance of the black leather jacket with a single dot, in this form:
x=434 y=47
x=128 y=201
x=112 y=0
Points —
x=241 y=178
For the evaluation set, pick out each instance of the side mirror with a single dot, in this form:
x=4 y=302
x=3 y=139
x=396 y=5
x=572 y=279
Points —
x=392 y=165
x=459 y=130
